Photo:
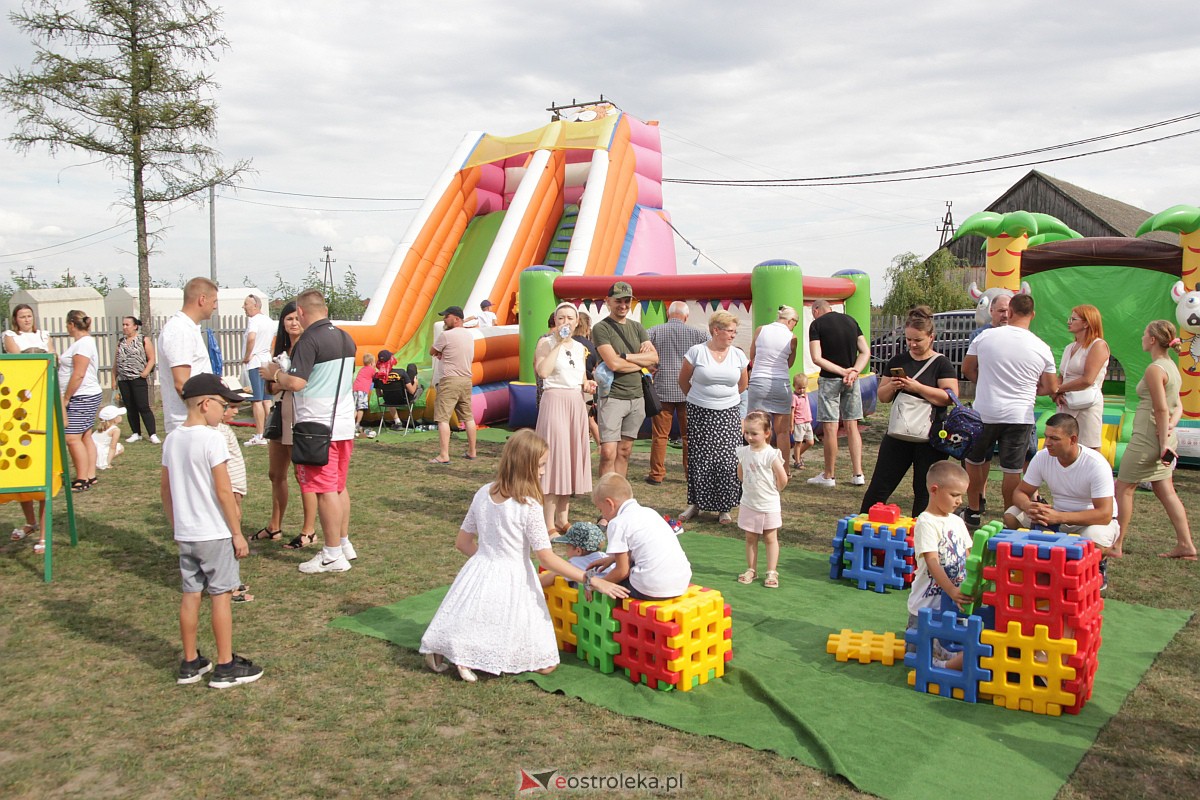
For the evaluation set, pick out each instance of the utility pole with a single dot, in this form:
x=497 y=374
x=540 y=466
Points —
x=947 y=229
x=327 y=281
x=212 y=234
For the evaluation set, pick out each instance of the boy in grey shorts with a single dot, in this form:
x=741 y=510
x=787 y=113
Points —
x=200 y=507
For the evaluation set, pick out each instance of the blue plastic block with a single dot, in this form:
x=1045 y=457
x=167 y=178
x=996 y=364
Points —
x=948 y=628
x=1042 y=540
x=872 y=540
x=837 y=561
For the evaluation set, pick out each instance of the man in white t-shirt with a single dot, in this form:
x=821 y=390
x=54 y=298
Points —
x=182 y=351
x=1011 y=367
x=256 y=351
x=643 y=549
x=1080 y=482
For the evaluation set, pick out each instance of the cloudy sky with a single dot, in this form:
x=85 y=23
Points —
x=369 y=100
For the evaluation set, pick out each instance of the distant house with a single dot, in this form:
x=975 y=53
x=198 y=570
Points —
x=1088 y=213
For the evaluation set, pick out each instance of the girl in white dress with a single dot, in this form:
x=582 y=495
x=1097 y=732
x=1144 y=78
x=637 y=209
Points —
x=494 y=618
x=763 y=475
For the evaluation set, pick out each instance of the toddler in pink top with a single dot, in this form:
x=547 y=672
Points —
x=362 y=390
x=802 y=429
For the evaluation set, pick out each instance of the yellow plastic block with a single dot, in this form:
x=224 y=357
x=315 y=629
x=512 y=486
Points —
x=866 y=646
x=1017 y=660
x=702 y=639
x=934 y=688
x=560 y=599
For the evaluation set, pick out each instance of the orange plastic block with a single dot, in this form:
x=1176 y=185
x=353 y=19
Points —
x=704 y=640
x=1017 y=660
x=866 y=646
x=560 y=599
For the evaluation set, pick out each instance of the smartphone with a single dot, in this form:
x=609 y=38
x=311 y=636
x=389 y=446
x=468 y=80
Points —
x=1169 y=457
x=898 y=372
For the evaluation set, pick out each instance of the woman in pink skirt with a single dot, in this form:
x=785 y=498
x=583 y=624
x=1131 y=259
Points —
x=560 y=362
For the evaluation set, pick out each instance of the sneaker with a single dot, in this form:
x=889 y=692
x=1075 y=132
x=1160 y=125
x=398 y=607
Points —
x=193 y=671
x=235 y=673
x=154 y=439
x=318 y=564
x=973 y=518
x=858 y=480
x=652 y=481
x=370 y=434
x=348 y=551
x=820 y=480
x=1103 y=574
x=137 y=437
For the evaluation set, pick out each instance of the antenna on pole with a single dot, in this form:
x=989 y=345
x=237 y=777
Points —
x=327 y=281
x=947 y=229
x=581 y=112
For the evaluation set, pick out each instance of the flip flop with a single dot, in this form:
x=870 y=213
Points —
x=437 y=461
x=469 y=458
x=1180 y=557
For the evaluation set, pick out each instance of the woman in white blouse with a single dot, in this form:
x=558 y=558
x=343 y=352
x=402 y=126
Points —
x=24 y=336
x=79 y=382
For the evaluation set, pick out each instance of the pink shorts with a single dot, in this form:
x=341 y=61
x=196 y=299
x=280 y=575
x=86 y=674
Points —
x=752 y=521
x=331 y=478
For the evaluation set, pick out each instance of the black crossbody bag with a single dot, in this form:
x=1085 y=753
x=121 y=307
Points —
x=311 y=440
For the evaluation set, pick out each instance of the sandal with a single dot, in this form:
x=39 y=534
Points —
x=772 y=579
x=39 y=548
x=302 y=540
x=90 y=482
x=20 y=533
x=747 y=577
x=436 y=663
x=242 y=596
x=725 y=518
x=80 y=485
x=265 y=534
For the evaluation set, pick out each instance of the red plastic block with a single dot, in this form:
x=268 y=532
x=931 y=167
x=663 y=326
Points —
x=884 y=512
x=1055 y=591
x=644 y=650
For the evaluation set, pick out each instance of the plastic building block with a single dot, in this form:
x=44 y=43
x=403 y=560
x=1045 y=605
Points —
x=1052 y=590
x=884 y=512
x=866 y=647
x=837 y=561
x=1042 y=540
x=960 y=684
x=1084 y=662
x=891 y=543
x=980 y=556
x=1028 y=673
x=561 y=597
x=594 y=631
x=681 y=643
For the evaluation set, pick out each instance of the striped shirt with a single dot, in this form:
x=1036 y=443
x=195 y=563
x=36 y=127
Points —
x=131 y=357
x=672 y=340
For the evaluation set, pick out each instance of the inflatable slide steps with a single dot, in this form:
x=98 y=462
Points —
x=556 y=256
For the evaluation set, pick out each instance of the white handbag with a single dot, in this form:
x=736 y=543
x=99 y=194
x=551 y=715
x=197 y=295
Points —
x=1081 y=399
x=911 y=418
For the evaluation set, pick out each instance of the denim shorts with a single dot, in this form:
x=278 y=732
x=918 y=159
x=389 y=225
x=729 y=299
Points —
x=836 y=401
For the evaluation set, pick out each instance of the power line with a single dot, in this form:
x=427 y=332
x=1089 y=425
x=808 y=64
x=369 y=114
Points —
x=327 y=196
x=308 y=208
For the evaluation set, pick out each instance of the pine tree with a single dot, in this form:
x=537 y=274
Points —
x=124 y=80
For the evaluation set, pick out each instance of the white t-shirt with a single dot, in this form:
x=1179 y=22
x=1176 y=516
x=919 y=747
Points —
x=658 y=565
x=486 y=319
x=948 y=537
x=29 y=339
x=758 y=478
x=189 y=454
x=83 y=346
x=1073 y=487
x=180 y=344
x=715 y=383
x=263 y=328
x=1011 y=361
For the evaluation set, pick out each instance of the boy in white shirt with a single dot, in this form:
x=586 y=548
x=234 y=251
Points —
x=200 y=507
x=645 y=550
x=942 y=544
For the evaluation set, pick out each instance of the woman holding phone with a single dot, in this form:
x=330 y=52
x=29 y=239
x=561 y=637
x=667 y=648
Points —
x=1150 y=455
x=924 y=375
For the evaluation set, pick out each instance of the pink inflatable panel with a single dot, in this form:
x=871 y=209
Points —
x=653 y=248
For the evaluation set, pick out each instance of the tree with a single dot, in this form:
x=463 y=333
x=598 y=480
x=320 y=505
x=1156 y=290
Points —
x=124 y=85
x=344 y=302
x=913 y=282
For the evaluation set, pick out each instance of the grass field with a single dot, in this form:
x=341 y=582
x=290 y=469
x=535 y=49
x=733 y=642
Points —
x=90 y=707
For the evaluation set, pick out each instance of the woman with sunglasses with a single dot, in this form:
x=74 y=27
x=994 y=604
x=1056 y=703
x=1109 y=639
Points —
x=561 y=362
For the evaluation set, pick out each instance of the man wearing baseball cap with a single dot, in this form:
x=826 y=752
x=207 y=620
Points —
x=625 y=347
x=455 y=347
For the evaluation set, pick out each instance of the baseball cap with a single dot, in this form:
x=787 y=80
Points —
x=111 y=412
x=206 y=384
x=620 y=289
x=486 y=304
x=584 y=535
x=385 y=355
x=452 y=311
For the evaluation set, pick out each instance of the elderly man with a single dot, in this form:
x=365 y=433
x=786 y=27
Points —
x=1011 y=366
x=1080 y=482
x=320 y=380
x=625 y=348
x=455 y=347
x=837 y=346
x=182 y=351
x=672 y=340
x=256 y=351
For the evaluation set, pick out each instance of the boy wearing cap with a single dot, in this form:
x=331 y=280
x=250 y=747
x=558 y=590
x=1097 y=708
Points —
x=486 y=318
x=583 y=540
x=199 y=504
x=454 y=346
x=626 y=349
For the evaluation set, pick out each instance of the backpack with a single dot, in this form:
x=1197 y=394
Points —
x=956 y=434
